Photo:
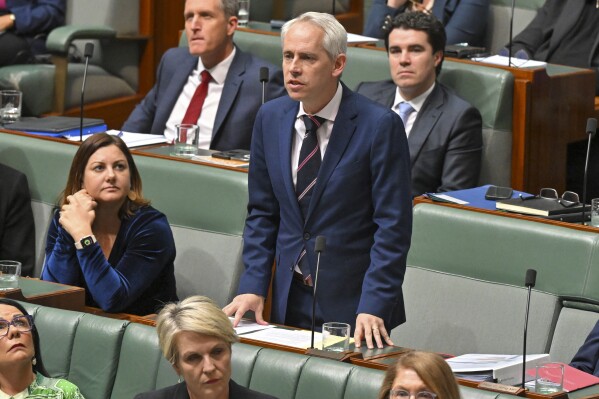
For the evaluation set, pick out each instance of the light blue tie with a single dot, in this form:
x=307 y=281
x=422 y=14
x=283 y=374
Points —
x=405 y=109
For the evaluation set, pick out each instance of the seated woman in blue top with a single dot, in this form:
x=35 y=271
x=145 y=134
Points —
x=465 y=21
x=22 y=372
x=106 y=237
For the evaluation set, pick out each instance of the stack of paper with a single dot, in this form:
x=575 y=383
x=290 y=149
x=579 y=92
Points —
x=503 y=369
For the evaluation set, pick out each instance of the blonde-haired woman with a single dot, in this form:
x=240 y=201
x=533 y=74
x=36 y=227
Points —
x=421 y=375
x=196 y=338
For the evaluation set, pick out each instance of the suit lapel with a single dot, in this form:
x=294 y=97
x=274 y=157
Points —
x=233 y=82
x=343 y=130
x=173 y=91
x=425 y=121
x=285 y=133
x=386 y=95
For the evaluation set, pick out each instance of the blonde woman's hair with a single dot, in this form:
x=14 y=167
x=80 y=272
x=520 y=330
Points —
x=197 y=314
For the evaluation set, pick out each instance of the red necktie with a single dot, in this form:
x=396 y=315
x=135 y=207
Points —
x=197 y=101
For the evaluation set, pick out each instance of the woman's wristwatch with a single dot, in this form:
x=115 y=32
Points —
x=85 y=242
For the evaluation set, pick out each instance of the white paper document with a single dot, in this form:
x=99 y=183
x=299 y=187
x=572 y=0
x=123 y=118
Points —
x=516 y=62
x=505 y=369
x=281 y=336
x=131 y=139
x=246 y=326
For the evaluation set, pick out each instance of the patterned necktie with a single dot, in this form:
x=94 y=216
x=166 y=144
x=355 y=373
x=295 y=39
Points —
x=405 y=109
x=197 y=101
x=307 y=173
x=309 y=162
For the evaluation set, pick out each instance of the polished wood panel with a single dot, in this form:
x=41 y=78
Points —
x=46 y=293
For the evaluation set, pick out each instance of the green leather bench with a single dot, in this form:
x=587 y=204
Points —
x=205 y=206
x=464 y=287
x=109 y=358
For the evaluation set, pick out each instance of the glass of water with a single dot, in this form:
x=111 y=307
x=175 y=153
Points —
x=10 y=105
x=244 y=12
x=10 y=270
x=595 y=212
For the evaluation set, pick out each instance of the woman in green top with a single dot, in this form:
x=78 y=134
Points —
x=22 y=372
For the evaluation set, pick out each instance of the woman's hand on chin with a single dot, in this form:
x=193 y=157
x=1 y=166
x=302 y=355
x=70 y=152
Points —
x=77 y=216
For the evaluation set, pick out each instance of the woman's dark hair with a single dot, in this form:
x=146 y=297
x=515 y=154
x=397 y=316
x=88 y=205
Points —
x=38 y=367
x=92 y=144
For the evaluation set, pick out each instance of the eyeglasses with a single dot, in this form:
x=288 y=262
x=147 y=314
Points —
x=22 y=323
x=403 y=394
x=567 y=200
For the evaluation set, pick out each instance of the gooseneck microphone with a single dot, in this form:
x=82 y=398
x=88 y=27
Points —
x=319 y=247
x=264 y=80
x=509 y=62
x=87 y=53
x=591 y=130
x=529 y=282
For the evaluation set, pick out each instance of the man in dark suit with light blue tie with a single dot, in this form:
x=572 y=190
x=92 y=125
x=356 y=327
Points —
x=234 y=89
x=444 y=131
x=359 y=197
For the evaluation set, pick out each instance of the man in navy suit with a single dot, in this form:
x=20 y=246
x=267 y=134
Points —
x=587 y=357
x=444 y=131
x=359 y=196
x=234 y=89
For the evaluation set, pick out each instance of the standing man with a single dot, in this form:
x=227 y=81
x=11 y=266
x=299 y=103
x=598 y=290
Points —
x=444 y=131
x=212 y=83
x=326 y=162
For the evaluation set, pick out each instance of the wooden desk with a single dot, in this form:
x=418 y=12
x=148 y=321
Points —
x=46 y=293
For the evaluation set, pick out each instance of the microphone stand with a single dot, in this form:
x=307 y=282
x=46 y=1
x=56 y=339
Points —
x=88 y=52
x=264 y=80
x=531 y=276
x=591 y=130
x=509 y=63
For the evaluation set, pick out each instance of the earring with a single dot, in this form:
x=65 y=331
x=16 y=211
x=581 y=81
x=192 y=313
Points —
x=34 y=361
x=181 y=379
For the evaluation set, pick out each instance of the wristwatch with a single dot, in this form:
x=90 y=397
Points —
x=12 y=18
x=85 y=242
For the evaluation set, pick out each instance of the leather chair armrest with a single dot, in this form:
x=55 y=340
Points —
x=59 y=39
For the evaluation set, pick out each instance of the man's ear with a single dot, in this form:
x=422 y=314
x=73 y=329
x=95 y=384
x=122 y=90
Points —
x=339 y=65
x=438 y=56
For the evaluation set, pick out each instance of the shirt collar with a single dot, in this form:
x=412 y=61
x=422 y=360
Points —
x=220 y=70
x=416 y=102
x=329 y=112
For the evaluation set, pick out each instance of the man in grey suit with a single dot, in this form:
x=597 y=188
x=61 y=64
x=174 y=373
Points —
x=444 y=131
x=233 y=93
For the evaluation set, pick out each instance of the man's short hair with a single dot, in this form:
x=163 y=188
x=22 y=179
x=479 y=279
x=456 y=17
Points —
x=335 y=35
x=424 y=22
x=230 y=7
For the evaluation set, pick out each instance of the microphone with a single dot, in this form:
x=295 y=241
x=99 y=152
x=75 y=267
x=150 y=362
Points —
x=509 y=62
x=529 y=282
x=264 y=80
x=319 y=247
x=591 y=130
x=87 y=53
x=333 y=8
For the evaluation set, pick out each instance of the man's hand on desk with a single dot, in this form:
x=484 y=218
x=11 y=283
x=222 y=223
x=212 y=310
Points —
x=368 y=327
x=244 y=302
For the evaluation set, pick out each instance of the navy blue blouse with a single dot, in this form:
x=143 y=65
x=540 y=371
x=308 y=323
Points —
x=137 y=278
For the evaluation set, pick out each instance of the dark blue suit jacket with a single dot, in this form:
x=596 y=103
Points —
x=34 y=19
x=465 y=21
x=361 y=204
x=239 y=103
x=445 y=141
x=587 y=357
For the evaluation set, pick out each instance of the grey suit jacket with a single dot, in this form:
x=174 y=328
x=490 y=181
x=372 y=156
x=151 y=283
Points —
x=445 y=141
x=239 y=103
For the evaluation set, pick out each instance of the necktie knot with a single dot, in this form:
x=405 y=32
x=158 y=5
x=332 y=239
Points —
x=312 y=122
x=205 y=75
x=405 y=109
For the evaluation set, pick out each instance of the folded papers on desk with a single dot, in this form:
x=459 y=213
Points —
x=288 y=337
x=132 y=139
x=504 y=369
